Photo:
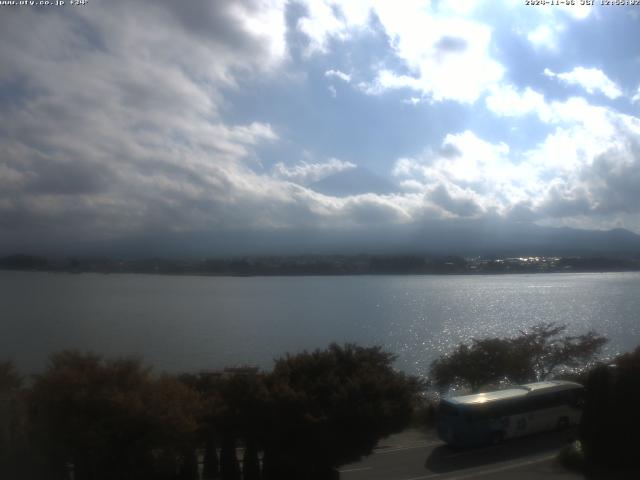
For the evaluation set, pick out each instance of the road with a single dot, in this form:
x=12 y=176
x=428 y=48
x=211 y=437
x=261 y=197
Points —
x=416 y=455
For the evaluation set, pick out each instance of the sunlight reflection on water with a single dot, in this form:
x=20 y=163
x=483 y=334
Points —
x=187 y=323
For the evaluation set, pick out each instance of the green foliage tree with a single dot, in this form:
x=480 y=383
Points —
x=110 y=419
x=533 y=355
x=330 y=407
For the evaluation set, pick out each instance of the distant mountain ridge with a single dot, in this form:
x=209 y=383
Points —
x=492 y=238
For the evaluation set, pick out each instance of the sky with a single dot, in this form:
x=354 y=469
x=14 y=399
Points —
x=256 y=119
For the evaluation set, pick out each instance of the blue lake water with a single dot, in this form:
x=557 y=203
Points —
x=178 y=323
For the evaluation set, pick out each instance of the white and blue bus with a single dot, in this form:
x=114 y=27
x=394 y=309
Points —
x=492 y=417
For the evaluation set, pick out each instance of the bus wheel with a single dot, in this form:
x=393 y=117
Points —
x=563 y=423
x=497 y=438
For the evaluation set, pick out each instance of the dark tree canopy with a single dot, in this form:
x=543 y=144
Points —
x=533 y=355
x=12 y=419
x=10 y=379
x=332 y=406
x=611 y=416
x=109 y=418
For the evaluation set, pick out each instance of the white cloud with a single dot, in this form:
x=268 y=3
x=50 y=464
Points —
x=439 y=49
x=440 y=53
x=412 y=101
x=592 y=80
x=545 y=36
x=506 y=101
x=305 y=173
x=589 y=165
x=466 y=174
x=265 y=22
x=636 y=96
x=338 y=74
x=544 y=27
x=321 y=23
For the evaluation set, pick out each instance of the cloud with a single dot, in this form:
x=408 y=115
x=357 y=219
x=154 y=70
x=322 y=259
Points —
x=338 y=74
x=592 y=80
x=305 y=173
x=451 y=44
x=506 y=101
x=150 y=140
x=460 y=206
x=325 y=20
x=466 y=176
x=115 y=130
x=439 y=62
x=545 y=36
x=544 y=27
x=586 y=167
x=439 y=49
x=140 y=146
x=412 y=101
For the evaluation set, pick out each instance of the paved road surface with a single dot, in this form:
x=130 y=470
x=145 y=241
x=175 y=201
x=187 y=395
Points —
x=415 y=455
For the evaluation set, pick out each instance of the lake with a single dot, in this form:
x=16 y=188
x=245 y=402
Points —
x=178 y=323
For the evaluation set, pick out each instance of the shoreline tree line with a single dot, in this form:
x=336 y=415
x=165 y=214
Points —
x=105 y=419
x=360 y=264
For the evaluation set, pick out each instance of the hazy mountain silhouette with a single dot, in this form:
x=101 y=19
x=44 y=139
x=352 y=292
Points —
x=460 y=237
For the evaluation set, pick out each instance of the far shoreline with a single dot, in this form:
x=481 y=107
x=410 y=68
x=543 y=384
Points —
x=325 y=265
x=313 y=274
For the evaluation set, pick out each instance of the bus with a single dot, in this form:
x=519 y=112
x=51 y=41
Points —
x=492 y=417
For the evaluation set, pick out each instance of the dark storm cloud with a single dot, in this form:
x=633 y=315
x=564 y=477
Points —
x=115 y=126
x=560 y=202
x=69 y=178
x=215 y=21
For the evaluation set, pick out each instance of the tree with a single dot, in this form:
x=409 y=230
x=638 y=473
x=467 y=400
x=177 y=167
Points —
x=611 y=417
x=235 y=411
x=110 y=419
x=208 y=388
x=483 y=362
x=330 y=407
x=12 y=420
x=533 y=355
x=10 y=379
x=546 y=351
x=243 y=415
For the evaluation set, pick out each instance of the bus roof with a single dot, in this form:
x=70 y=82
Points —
x=514 y=392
